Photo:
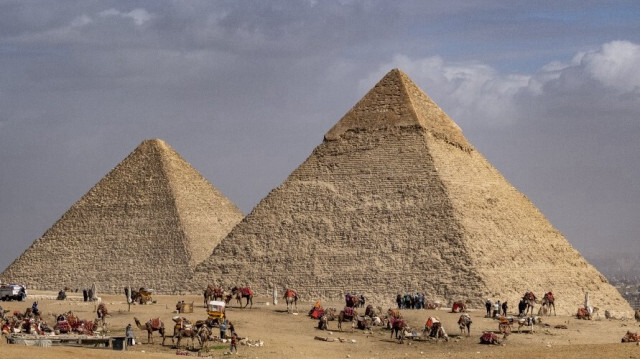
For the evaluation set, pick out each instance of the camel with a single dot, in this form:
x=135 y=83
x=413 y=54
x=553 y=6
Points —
x=489 y=338
x=184 y=329
x=433 y=305
x=364 y=322
x=208 y=295
x=240 y=293
x=587 y=313
x=433 y=328
x=458 y=307
x=548 y=302
x=504 y=327
x=151 y=326
x=631 y=337
x=218 y=293
x=465 y=322
x=348 y=314
x=291 y=298
x=352 y=300
x=329 y=314
x=371 y=311
x=529 y=300
x=398 y=326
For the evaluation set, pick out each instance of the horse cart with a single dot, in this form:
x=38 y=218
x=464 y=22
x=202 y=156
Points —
x=215 y=312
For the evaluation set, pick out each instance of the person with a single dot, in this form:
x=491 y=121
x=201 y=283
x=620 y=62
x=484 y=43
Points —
x=488 y=305
x=35 y=310
x=399 y=301
x=223 y=329
x=62 y=295
x=496 y=309
x=85 y=295
x=234 y=343
x=23 y=294
x=504 y=308
x=129 y=335
x=522 y=305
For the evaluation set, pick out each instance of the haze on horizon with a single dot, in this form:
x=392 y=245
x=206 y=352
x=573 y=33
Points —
x=549 y=94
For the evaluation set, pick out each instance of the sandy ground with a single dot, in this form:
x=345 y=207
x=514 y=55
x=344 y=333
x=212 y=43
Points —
x=288 y=335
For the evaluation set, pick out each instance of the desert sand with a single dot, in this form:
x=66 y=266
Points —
x=290 y=335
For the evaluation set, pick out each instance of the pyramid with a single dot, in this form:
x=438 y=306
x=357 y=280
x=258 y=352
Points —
x=394 y=200
x=146 y=223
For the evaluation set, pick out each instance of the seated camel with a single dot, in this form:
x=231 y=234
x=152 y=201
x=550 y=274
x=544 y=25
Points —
x=631 y=337
x=489 y=338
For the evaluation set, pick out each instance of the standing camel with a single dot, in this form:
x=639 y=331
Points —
x=529 y=300
x=465 y=322
x=240 y=293
x=218 y=293
x=151 y=326
x=549 y=302
x=291 y=298
x=348 y=314
x=208 y=295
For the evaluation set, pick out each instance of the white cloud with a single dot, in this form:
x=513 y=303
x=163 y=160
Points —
x=478 y=93
x=138 y=16
x=616 y=65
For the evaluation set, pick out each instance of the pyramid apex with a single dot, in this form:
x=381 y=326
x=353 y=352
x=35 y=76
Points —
x=397 y=102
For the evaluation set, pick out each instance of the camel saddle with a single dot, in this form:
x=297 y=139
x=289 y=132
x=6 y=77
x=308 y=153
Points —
x=155 y=323
x=549 y=296
x=348 y=312
x=583 y=312
x=64 y=326
x=246 y=291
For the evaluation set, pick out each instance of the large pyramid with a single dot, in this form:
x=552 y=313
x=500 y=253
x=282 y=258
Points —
x=396 y=199
x=146 y=223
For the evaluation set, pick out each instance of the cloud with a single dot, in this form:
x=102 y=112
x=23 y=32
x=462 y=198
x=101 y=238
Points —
x=138 y=16
x=615 y=65
x=480 y=94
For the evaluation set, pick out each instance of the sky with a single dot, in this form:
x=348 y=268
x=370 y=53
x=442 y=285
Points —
x=547 y=91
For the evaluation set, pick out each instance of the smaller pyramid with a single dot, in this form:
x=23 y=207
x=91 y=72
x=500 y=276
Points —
x=148 y=222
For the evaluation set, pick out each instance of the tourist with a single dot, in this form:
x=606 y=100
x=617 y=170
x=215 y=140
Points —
x=129 y=335
x=223 y=329
x=504 y=308
x=488 y=305
x=234 y=344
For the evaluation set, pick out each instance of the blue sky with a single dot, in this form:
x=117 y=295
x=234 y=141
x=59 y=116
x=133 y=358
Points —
x=548 y=91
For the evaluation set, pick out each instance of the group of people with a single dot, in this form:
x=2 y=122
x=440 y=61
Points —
x=496 y=309
x=411 y=301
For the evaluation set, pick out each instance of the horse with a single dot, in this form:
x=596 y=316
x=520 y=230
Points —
x=465 y=322
x=291 y=298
